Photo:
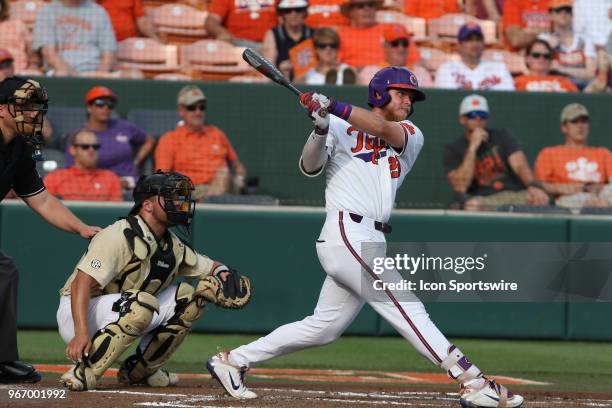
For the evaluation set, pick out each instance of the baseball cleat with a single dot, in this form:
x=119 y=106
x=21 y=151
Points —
x=229 y=376
x=160 y=378
x=78 y=378
x=491 y=394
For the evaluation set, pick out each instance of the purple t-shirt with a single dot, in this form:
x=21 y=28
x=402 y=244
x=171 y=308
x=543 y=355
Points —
x=116 y=144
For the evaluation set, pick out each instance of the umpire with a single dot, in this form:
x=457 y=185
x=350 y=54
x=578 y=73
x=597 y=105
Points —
x=23 y=105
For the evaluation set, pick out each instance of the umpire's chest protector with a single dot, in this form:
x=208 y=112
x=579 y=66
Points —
x=152 y=268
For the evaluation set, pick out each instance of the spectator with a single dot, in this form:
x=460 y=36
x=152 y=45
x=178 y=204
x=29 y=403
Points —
x=524 y=20
x=243 y=24
x=396 y=47
x=539 y=62
x=128 y=19
x=326 y=13
x=593 y=19
x=575 y=173
x=429 y=9
x=117 y=137
x=487 y=168
x=14 y=36
x=329 y=69
x=603 y=80
x=485 y=9
x=74 y=36
x=291 y=31
x=361 y=42
x=471 y=72
x=7 y=70
x=575 y=54
x=198 y=150
x=84 y=180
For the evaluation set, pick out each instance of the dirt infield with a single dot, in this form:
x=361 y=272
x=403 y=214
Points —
x=206 y=393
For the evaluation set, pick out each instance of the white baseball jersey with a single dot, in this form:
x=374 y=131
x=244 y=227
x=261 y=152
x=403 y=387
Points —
x=487 y=75
x=363 y=172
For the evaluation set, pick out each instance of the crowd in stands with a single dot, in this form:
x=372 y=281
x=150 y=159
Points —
x=476 y=44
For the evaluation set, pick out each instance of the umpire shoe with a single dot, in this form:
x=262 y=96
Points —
x=491 y=394
x=17 y=372
x=229 y=376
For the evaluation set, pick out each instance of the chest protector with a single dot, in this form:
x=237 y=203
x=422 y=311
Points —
x=151 y=268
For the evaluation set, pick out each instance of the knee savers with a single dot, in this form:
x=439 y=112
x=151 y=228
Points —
x=136 y=311
x=166 y=338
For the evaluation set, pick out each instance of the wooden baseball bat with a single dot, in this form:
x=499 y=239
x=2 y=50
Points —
x=266 y=68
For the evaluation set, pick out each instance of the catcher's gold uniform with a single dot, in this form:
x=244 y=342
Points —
x=135 y=295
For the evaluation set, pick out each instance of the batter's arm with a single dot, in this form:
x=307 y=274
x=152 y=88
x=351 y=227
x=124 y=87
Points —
x=314 y=154
x=391 y=132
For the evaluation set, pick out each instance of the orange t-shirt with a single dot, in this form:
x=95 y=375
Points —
x=361 y=46
x=526 y=13
x=429 y=9
x=548 y=83
x=569 y=164
x=246 y=19
x=88 y=185
x=123 y=15
x=197 y=155
x=326 y=13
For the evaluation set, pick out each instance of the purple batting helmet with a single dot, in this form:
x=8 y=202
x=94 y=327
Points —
x=392 y=77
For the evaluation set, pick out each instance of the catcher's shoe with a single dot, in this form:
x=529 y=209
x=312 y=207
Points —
x=229 y=376
x=491 y=394
x=79 y=378
x=160 y=378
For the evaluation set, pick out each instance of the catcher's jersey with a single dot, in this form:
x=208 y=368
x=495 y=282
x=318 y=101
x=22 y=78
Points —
x=363 y=173
x=119 y=263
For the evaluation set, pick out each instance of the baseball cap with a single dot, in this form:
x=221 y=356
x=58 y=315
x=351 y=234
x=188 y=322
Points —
x=189 y=95
x=473 y=103
x=98 y=92
x=468 y=29
x=395 y=32
x=573 y=111
x=5 y=55
x=560 y=3
x=292 y=4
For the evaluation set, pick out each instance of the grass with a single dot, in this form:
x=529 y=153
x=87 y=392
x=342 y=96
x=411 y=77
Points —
x=569 y=366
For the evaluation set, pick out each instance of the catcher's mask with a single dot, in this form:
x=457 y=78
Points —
x=174 y=194
x=27 y=103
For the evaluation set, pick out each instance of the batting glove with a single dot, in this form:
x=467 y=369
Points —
x=314 y=102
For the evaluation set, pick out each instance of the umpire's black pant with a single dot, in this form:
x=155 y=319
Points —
x=9 y=279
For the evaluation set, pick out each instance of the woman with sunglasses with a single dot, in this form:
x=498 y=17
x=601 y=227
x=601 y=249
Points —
x=329 y=69
x=118 y=138
x=291 y=31
x=539 y=77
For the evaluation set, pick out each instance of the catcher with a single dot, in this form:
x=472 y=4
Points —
x=122 y=289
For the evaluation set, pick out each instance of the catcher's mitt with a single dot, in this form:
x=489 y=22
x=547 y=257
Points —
x=234 y=293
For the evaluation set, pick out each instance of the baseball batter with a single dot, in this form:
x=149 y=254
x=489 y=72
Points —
x=122 y=289
x=364 y=172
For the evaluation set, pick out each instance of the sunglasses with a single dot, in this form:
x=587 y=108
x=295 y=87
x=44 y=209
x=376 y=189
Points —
x=539 y=55
x=199 y=106
x=6 y=64
x=100 y=103
x=477 y=114
x=370 y=4
x=292 y=10
x=322 y=46
x=566 y=9
x=400 y=43
x=87 y=146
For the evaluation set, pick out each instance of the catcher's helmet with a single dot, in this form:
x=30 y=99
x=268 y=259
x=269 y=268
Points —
x=175 y=190
x=27 y=103
x=392 y=77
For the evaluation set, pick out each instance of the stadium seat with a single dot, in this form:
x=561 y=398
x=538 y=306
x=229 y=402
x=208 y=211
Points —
x=213 y=59
x=445 y=28
x=64 y=121
x=148 y=56
x=155 y=122
x=432 y=58
x=26 y=10
x=250 y=79
x=179 y=23
x=415 y=25
x=173 y=76
x=514 y=62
